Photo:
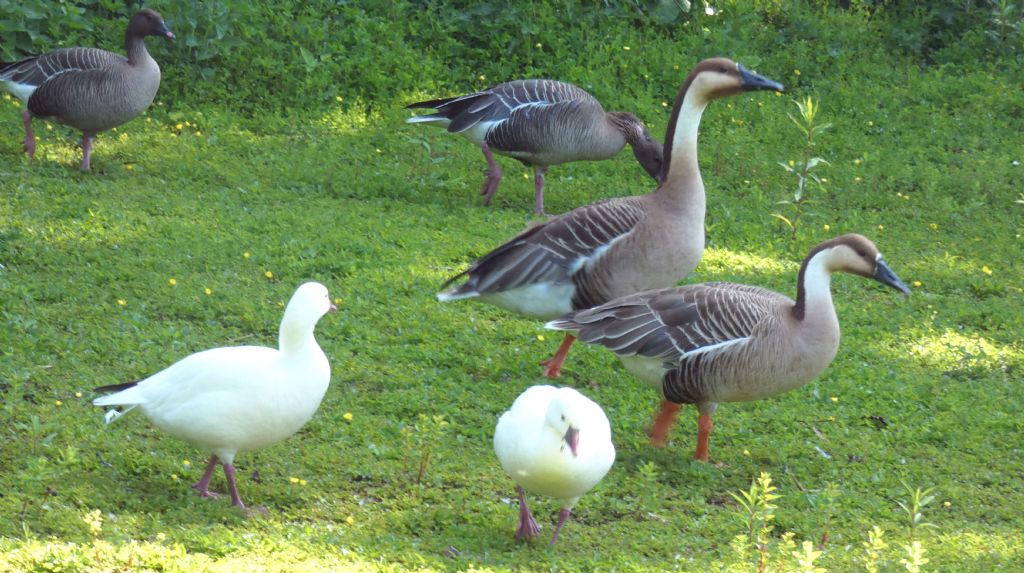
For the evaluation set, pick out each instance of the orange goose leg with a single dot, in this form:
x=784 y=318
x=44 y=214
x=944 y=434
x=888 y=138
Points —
x=553 y=365
x=663 y=423
x=704 y=426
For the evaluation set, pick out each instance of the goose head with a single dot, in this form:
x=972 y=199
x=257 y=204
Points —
x=720 y=77
x=856 y=254
x=148 y=23
x=310 y=302
x=567 y=412
x=646 y=149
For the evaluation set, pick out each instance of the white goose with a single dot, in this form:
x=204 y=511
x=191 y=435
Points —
x=554 y=442
x=615 y=247
x=723 y=342
x=240 y=398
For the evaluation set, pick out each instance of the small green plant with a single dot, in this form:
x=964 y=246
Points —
x=806 y=557
x=94 y=519
x=421 y=437
x=796 y=207
x=918 y=499
x=915 y=557
x=758 y=512
x=873 y=550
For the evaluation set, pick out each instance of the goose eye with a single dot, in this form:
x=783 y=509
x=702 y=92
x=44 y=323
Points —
x=863 y=254
x=563 y=417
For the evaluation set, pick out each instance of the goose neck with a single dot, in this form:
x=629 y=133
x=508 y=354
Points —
x=681 y=136
x=135 y=48
x=295 y=338
x=814 y=289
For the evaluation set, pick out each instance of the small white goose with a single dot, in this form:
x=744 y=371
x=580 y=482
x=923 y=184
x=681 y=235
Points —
x=723 y=342
x=240 y=398
x=554 y=442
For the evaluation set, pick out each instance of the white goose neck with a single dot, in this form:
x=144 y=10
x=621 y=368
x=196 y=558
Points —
x=816 y=290
x=295 y=336
x=683 y=161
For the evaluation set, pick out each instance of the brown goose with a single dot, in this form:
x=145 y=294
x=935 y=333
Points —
x=723 y=342
x=541 y=123
x=615 y=247
x=89 y=89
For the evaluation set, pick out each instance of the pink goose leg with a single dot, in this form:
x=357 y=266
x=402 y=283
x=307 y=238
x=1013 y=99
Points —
x=538 y=189
x=563 y=516
x=493 y=174
x=229 y=473
x=30 y=138
x=86 y=149
x=528 y=528
x=203 y=485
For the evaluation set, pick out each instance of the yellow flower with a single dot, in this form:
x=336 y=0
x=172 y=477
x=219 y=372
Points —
x=946 y=504
x=57 y=403
x=186 y=463
x=208 y=291
x=834 y=399
x=172 y=282
x=339 y=99
x=78 y=394
x=826 y=227
x=268 y=274
x=796 y=72
x=350 y=520
x=538 y=45
x=917 y=284
x=179 y=127
x=881 y=227
x=347 y=416
x=871 y=124
x=857 y=179
x=129 y=167
x=293 y=480
x=625 y=48
x=986 y=270
x=664 y=104
x=791 y=163
x=302 y=482
x=746 y=452
x=247 y=254
x=122 y=301
x=174 y=477
x=856 y=161
x=337 y=301
x=540 y=337
x=934 y=226
x=199 y=134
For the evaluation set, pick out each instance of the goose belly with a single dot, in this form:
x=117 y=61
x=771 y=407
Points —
x=764 y=377
x=236 y=423
x=545 y=301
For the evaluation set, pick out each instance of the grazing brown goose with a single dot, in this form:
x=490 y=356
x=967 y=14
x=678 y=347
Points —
x=723 y=342
x=541 y=123
x=615 y=247
x=89 y=89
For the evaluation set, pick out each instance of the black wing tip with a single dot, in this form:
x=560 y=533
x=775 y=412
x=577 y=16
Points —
x=115 y=387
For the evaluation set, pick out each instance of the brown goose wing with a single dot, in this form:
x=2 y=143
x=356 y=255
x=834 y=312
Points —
x=672 y=323
x=37 y=70
x=554 y=251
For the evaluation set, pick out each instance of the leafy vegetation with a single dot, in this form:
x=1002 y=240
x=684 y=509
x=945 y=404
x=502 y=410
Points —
x=261 y=167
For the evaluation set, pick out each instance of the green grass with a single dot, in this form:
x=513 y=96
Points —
x=925 y=390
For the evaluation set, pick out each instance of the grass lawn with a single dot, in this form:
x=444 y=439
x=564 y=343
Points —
x=195 y=226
